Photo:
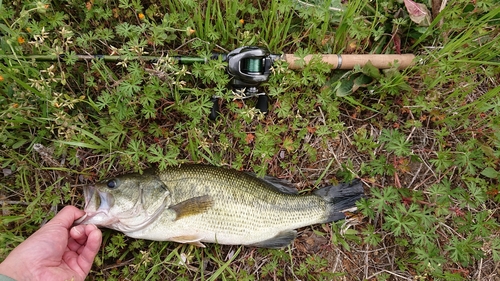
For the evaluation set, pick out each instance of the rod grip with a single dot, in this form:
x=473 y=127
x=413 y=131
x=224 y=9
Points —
x=349 y=61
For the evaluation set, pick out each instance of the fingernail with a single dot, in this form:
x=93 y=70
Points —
x=78 y=232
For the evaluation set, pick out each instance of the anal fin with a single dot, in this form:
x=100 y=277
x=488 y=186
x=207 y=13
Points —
x=281 y=240
x=188 y=239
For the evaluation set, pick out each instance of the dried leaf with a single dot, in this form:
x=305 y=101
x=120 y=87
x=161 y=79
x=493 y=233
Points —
x=419 y=13
x=6 y=172
x=397 y=43
x=311 y=129
x=250 y=137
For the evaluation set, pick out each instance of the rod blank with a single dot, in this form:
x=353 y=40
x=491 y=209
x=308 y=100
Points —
x=337 y=61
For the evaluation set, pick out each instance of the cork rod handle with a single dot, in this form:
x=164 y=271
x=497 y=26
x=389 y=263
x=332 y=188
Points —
x=349 y=61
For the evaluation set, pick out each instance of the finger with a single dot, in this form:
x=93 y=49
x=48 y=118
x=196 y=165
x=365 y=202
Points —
x=90 y=250
x=79 y=233
x=78 y=236
x=66 y=217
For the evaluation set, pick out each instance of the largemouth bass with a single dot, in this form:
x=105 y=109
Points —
x=199 y=203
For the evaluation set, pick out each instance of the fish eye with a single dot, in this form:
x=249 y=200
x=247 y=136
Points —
x=111 y=184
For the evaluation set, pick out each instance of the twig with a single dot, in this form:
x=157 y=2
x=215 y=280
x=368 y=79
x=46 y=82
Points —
x=2 y=202
x=312 y=5
x=451 y=230
x=366 y=262
x=479 y=270
x=390 y=272
x=127 y=262
x=415 y=176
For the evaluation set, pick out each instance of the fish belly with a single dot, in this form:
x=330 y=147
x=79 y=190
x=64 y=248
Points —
x=235 y=224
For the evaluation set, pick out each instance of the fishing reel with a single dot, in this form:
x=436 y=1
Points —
x=248 y=67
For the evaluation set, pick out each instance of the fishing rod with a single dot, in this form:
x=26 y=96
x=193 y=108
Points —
x=250 y=66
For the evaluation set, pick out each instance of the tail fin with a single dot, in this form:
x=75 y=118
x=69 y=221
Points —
x=341 y=198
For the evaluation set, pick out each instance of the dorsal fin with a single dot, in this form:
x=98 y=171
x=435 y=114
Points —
x=277 y=184
x=281 y=185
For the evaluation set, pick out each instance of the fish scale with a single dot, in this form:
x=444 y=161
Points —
x=261 y=204
x=199 y=203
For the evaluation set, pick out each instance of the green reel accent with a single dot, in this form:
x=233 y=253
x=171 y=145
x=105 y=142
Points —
x=252 y=65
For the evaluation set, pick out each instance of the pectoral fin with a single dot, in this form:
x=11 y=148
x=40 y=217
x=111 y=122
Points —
x=188 y=239
x=281 y=240
x=192 y=206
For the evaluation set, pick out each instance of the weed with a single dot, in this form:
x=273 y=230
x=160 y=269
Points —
x=424 y=140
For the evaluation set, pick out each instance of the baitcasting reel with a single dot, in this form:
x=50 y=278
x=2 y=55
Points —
x=248 y=67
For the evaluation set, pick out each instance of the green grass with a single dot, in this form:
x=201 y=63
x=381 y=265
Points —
x=425 y=140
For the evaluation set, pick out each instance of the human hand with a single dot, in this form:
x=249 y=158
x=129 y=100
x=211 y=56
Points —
x=57 y=251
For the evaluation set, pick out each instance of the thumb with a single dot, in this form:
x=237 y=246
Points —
x=66 y=217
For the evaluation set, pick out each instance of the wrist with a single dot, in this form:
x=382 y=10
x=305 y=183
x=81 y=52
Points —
x=13 y=271
x=4 y=277
x=5 y=271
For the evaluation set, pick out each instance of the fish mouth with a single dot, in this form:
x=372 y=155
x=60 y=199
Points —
x=97 y=206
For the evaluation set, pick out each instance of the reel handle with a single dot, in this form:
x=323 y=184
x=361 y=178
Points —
x=263 y=104
x=215 y=110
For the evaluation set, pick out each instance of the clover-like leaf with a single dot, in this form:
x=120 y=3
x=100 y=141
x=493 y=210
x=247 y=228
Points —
x=419 y=13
